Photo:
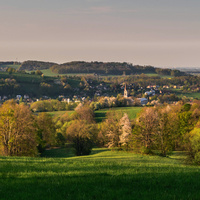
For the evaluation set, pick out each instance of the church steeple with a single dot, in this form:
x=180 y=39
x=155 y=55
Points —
x=125 y=92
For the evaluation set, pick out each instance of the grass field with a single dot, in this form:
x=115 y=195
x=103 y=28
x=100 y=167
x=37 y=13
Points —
x=59 y=113
x=162 y=76
x=131 y=111
x=11 y=66
x=180 y=93
x=48 y=72
x=100 y=115
x=20 y=77
x=103 y=175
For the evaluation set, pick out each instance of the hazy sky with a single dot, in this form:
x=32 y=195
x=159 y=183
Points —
x=147 y=32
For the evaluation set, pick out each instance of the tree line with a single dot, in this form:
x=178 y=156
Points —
x=106 y=68
x=160 y=129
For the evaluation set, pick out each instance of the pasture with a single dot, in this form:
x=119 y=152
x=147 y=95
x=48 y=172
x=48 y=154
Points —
x=180 y=93
x=10 y=66
x=100 y=115
x=104 y=174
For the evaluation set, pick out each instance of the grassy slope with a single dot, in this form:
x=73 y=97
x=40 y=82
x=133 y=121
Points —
x=59 y=113
x=48 y=72
x=12 y=66
x=162 y=76
x=100 y=115
x=20 y=77
x=179 y=93
x=102 y=175
x=131 y=111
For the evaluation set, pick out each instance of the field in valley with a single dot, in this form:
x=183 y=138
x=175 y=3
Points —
x=180 y=93
x=100 y=115
x=103 y=175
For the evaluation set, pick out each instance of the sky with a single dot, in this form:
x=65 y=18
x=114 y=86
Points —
x=161 y=33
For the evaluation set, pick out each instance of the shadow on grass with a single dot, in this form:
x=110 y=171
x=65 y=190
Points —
x=58 y=153
x=67 y=152
x=100 y=116
x=98 y=150
x=103 y=186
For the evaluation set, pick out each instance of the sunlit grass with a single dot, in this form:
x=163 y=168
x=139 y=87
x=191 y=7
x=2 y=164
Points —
x=100 y=115
x=102 y=175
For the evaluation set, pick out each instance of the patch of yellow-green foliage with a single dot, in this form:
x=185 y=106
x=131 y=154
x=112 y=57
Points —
x=103 y=175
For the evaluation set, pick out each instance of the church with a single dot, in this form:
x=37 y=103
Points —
x=130 y=101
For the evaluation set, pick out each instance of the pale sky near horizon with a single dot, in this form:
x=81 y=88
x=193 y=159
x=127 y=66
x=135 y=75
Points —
x=161 y=33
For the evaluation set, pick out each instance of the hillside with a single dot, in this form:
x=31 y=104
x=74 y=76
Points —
x=35 y=65
x=102 y=68
x=103 y=175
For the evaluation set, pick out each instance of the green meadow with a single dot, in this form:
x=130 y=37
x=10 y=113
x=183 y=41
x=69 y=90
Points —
x=59 y=113
x=162 y=76
x=104 y=174
x=100 y=115
x=180 y=93
x=11 y=66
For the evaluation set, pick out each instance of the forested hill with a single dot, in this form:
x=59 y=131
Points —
x=110 y=68
x=103 y=68
x=9 y=63
x=100 y=68
x=35 y=65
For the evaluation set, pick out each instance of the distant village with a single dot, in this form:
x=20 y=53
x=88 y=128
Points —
x=103 y=90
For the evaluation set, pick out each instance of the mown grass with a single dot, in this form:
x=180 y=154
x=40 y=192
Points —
x=102 y=175
x=100 y=115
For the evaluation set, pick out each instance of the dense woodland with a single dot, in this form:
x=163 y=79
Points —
x=35 y=65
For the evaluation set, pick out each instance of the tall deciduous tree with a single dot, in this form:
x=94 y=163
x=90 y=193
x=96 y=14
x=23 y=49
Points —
x=166 y=131
x=46 y=131
x=145 y=129
x=83 y=136
x=110 y=129
x=17 y=133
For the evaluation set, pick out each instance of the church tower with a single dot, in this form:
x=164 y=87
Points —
x=125 y=92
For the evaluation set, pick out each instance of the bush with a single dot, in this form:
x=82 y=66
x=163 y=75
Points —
x=194 y=148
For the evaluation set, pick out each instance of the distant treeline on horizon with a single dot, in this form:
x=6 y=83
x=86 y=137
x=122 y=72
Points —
x=101 y=68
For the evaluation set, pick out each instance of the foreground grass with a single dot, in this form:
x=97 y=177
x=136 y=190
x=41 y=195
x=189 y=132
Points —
x=102 y=175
